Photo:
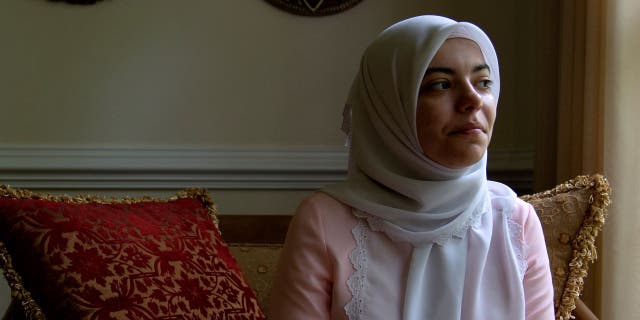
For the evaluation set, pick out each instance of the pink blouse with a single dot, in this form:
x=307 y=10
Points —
x=315 y=265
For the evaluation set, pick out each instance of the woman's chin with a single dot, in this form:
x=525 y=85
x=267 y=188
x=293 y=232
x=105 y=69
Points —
x=462 y=158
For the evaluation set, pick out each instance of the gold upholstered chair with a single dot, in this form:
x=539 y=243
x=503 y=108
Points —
x=572 y=215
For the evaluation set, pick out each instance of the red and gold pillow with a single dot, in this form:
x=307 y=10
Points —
x=95 y=258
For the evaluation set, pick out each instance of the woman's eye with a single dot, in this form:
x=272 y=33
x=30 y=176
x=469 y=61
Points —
x=440 y=85
x=486 y=84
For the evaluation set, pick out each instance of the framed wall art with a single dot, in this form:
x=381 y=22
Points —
x=314 y=7
x=77 y=1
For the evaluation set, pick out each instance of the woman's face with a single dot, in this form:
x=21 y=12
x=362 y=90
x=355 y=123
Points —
x=456 y=108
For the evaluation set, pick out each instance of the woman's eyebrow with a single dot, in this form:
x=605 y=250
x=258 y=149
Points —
x=481 y=67
x=439 y=70
x=446 y=70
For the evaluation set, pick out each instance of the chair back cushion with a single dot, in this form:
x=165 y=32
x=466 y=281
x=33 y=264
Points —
x=572 y=215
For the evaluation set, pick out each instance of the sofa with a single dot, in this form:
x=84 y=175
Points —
x=215 y=266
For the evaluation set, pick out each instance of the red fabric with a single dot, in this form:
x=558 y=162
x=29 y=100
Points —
x=147 y=260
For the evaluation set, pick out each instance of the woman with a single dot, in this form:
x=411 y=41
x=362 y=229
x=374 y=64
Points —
x=416 y=231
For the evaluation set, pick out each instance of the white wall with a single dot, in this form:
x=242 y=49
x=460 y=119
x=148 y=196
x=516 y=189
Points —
x=165 y=73
x=204 y=74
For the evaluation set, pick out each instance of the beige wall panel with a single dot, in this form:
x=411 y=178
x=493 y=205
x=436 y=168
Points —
x=214 y=73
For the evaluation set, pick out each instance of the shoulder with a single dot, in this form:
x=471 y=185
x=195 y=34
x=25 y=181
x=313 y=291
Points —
x=322 y=202
x=522 y=225
x=518 y=212
x=506 y=200
x=321 y=209
x=498 y=190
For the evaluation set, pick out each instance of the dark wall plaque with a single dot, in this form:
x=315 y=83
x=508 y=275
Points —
x=314 y=7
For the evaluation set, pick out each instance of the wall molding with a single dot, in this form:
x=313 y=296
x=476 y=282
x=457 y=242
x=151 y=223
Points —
x=67 y=168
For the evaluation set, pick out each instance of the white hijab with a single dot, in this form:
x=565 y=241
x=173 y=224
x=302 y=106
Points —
x=411 y=197
x=392 y=184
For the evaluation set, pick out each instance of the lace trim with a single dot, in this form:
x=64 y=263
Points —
x=379 y=225
x=356 y=282
x=516 y=235
x=473 y=222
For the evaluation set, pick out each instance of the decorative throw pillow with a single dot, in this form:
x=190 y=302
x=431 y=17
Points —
x=572 y=214
x=86 y=257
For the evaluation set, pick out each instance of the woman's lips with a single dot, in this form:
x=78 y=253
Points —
x=468 y=129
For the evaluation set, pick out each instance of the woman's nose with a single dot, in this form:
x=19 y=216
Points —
x=470 y=99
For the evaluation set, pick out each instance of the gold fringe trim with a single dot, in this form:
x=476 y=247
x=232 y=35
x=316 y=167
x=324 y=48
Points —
x=189 y=193
x=19 y=293
x=584 y=249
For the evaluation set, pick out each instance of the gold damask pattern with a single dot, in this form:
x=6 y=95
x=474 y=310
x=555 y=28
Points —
x=572 y=215
x=258 y=262
x=88 y=257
